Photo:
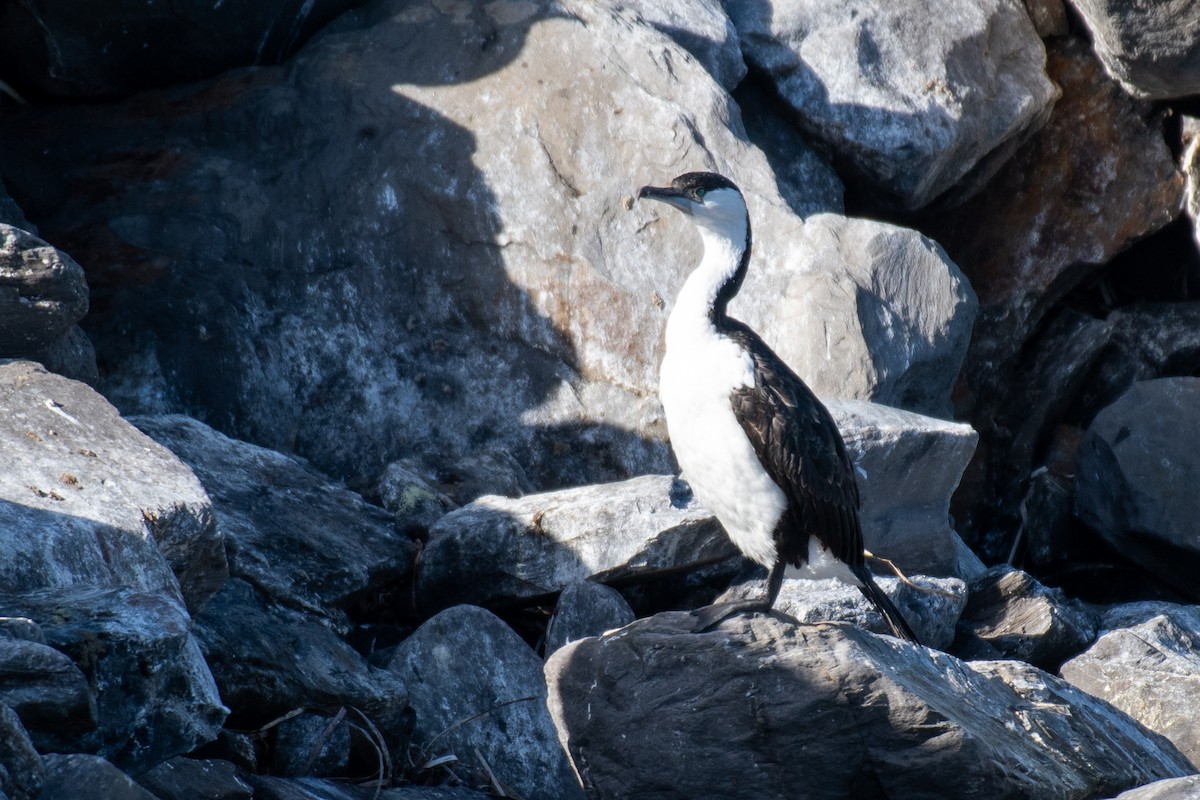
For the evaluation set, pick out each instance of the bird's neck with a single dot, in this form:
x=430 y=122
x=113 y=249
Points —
x=701 y=303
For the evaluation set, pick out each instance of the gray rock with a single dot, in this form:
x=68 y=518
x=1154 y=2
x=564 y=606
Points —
x=1187 y=788
x=932 y=614
x=908 y=466
x=155 y=696
x=1149 y=669
x=409 y=492
x=43 y=293
x=21 y=771
x=1049 y=17
x=67 y=774
x=303 y=540
x=584 y=609
x=49 y=694
x=699 y=27
x=269 y=660
x=195 y=779
x=21 y=629
x=836 y=710
x=311 y=744
x=88 y=500
x=1133 y=485
x=500 y=549
x=74 y=50
x=268 y=788
x=910 y=95
x=1152 y=49
x=477 y=688
x=1023 y=619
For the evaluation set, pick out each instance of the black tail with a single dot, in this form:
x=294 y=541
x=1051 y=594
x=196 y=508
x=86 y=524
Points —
x=891 y=614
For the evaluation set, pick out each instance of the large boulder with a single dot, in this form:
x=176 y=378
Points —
x=21 y=771
x=48 y=692
x=1152 y=49
x=909 y=95
x=762 y=707
x=43 y=293
x=67 y=774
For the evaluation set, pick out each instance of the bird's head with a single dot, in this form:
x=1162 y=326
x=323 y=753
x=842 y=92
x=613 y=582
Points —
x=711 y=200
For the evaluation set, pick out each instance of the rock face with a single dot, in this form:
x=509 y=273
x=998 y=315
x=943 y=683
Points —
x=1147 y=663
x=48 y=692
x=21 y=771
x=42 y=293
x=477 y=688
x=1152 y=49
x=586 y=609
x=856 y=715
x=1133 y=483
x=65 y=774
x=1167 y=789
x=910 y=106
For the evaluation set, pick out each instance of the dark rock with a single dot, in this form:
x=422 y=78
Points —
x=1147 y=663
x=1045 y=518
x=43 y=293
x=21 y=629
x=500 y=550
x=90 y=500
x=72 y=356
x=1023 y=619
x=584 y=609
x=21 y=771
x=11 y=213
x=955 y=91
x=408 y=491
x=78 y=50
x=1134 y=482
x=193 y=779
x=67 y=775
x=155 y=697
x=760 y=706
x=1049 y=17
x=49 y=694
x=1153 y=49
x=1187 y=788
x=311 y=744
x=479 y=693
x=267 y=788
x=302 y=540
x=269 y=660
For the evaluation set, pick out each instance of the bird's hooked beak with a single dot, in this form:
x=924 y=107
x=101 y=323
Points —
x=667 y=194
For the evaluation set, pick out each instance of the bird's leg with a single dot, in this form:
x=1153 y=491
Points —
x=710 y=617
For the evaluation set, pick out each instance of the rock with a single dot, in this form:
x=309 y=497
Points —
x=66 y=774
x=584 y=609
x=155 y=697
x=406 y=490
x=267 y=788
x=11 y=213
x=1153 y=50
x=90 y=501
x=43 y=293
x=902 y=340
x=1149 y=668
x=301 y=539
x=21 y=629
x=1187 y=788
x=701 y=28
x=839 y=711
x=1049 y=17
x=1133 y=485
x=478 y=693
x=311 y=744
x=1022 y=619
x=910 y=96
x=499 y=550
x=75 y=50
x=907 y=469
x=194 y=779
x=931 y=614
x=48 y=693
x=21 y=771
x=269 y=660
x=1045 y=518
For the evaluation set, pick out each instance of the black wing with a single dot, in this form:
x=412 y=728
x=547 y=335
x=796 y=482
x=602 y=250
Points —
x=800 y=447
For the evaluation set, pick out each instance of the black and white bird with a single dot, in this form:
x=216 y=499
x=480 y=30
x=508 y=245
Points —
x=755 y=444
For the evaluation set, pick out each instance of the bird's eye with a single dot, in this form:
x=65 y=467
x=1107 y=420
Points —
x=699 y=194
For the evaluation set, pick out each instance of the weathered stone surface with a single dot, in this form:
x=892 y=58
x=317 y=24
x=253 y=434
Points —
x=310 y=744
x=268 y=788
x=88 y=500
x=856 y=715
x=1187 y=788
x=268 y=660
x=48 y=692
x=1147 y=663
x=1023 y=619
x=476 y=686
x=1049 y=17
x=43 y=293
x=67 y=774
x=910 y=95
x=81 y=50
x=584 y=609
x=1134 y=482
x=195 y=779
x=21 y=771
x=1152 y=49
x=907 y=469
x=406 y=490
x=702 y=28
x=155 y=696
x=302 y=540
x=500 y=549
x=22 y=629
